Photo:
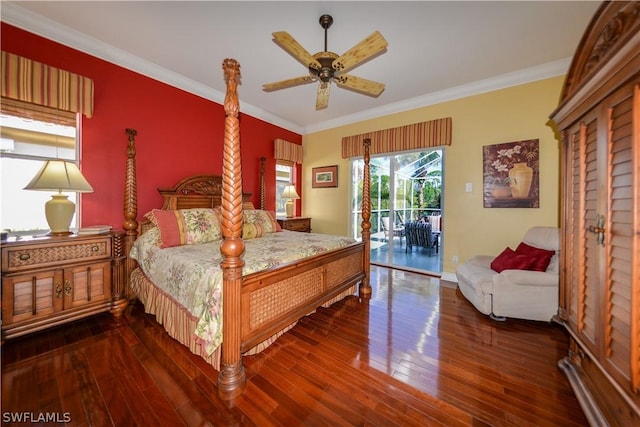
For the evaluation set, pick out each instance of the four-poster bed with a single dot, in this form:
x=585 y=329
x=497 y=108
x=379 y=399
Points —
x=258 y=304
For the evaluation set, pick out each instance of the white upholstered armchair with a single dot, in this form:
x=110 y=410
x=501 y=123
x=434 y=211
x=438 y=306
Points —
x=522 y=284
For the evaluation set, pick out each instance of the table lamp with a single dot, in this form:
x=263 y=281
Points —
x=59 y=175
x=290 y=194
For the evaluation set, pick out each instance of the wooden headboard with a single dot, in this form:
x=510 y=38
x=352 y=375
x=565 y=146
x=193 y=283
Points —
x=199 y=191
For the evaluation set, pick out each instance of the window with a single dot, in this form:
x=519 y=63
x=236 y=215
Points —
x=26 y=143
x=39 y=118
x=284 y=177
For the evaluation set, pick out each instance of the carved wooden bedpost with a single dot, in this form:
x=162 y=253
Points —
x=262 y=185
x=130 y=224
x=232 y=377
x=365 y=285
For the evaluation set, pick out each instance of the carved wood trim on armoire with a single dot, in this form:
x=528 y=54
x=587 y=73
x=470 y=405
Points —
x=598 y=123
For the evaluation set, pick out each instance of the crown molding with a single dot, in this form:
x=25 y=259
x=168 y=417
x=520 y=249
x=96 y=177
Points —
x=528 y=75
x=34 y=23
x=29 y=21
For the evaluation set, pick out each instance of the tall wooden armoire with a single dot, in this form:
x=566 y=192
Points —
x=598 y=121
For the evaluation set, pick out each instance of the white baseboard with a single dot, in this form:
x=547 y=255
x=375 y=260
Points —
x=449 y=277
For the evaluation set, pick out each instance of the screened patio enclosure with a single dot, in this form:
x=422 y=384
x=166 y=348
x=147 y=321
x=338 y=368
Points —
x=404 y=187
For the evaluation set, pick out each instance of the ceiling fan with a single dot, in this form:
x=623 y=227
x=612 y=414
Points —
x=325 y=67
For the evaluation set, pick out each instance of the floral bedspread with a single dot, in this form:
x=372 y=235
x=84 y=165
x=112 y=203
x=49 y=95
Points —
x=191 y=274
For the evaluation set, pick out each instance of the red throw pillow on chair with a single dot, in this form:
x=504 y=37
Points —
x=511 y=260
x=541 y=257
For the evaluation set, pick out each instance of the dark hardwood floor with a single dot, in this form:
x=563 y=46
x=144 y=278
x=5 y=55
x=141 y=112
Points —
x=416 y=354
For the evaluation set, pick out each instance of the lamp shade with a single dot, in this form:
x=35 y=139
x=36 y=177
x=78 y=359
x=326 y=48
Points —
x=290 y=192
x=59 y=175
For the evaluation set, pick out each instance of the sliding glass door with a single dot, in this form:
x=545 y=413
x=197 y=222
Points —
x=405 y=188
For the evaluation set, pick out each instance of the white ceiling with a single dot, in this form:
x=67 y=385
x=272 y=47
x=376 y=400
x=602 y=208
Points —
x=438 y=50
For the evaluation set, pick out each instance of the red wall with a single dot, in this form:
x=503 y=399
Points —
x=179 y=134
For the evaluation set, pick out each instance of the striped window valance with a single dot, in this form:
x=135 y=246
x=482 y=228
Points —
x=36 y=83
x=433 y=133
x=13 y=107
x=285 y=150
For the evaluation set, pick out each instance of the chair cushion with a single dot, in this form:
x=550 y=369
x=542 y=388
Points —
x=419 y=234
x=541 y=257
x=512 y=260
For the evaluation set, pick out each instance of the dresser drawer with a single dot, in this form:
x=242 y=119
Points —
x=18 y=257
x=299 y=225
x=296 y=224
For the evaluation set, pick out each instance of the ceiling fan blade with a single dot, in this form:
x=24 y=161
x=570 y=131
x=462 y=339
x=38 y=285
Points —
x=283 y=84
x=366 y=49
x=295 y=49
x=358 y=84
x=322 y=101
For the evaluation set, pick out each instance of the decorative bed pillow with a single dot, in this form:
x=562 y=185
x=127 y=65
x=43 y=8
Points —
x=252 y=231
x=273 y=218
x=185 y=226
x=266 y=220
x=511 y=260
x=542 y=257
x=262 y=218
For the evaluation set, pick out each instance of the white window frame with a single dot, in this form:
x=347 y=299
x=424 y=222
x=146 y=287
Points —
x=284 y=176
x=22 y=211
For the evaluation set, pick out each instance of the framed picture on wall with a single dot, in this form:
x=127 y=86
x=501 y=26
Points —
x=511 y=175
x=325 y=176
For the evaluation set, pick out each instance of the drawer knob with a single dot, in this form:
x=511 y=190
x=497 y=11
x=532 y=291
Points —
x=24 y=257
x=95 y=248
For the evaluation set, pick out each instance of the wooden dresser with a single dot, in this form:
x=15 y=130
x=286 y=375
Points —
x=295 y=224
x=598 y=120
x=48 y=281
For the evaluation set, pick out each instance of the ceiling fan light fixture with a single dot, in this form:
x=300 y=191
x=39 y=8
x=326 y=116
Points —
x=326 y=71
x=326 y=66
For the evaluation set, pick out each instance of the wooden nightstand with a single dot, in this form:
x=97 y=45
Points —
x=48 y=281
x=295 y=224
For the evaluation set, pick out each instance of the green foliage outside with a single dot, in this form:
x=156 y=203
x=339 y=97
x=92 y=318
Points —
x=416 y=193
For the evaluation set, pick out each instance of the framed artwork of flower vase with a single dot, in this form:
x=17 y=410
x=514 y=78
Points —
x=511 y=175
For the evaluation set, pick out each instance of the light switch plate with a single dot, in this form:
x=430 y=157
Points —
x=468 y=187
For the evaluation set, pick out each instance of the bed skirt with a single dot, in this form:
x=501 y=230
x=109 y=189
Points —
x=180 y=324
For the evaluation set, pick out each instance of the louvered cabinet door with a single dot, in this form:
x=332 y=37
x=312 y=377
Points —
x=621 y=341
x=601 y=275
x=87 y=284
x=31 y=296
x=582 y=282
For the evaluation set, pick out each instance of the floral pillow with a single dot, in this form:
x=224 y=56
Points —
x=185 y=226
x=265 y=219
x=256 y=222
